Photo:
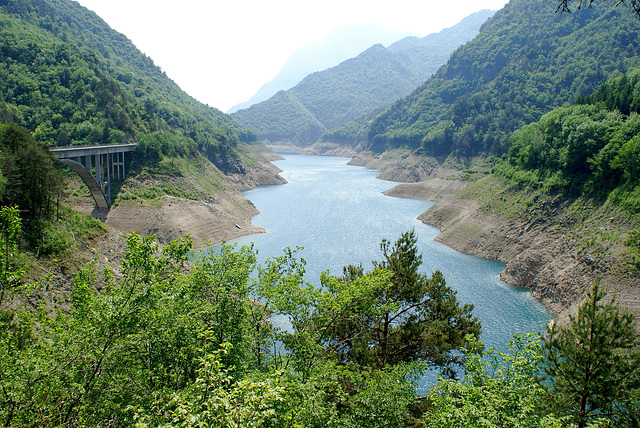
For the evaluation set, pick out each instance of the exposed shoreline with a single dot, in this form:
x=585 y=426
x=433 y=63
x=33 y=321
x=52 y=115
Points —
x=214 y=218
x=538 y=255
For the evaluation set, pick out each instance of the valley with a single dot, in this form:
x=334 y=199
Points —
x=522 y=125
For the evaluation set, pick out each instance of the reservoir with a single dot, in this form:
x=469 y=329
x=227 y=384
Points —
x=339 y=215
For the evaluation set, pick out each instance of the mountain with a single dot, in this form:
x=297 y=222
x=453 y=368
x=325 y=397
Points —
x=422 y=55
x=67 y=78
x=70 y=79
x=525 y=61
x=342 y=43
x=356 y=87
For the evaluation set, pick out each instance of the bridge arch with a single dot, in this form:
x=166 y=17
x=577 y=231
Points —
x=102 y=201
x=97 y=166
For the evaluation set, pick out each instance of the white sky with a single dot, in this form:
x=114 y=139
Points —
x=222 y=51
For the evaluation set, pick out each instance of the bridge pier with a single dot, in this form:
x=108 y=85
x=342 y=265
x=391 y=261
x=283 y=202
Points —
x=97 y=166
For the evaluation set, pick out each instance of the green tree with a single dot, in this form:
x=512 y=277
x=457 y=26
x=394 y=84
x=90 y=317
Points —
x=628 y=160
x=289 y=300
x=11 y=271
x=215 y=399
x=567 y=5
x=499 y=389
x=142 y=347
x=405 y=316
x=338 y=395
x=220 y=282
x=32 y=181
x=593 y=363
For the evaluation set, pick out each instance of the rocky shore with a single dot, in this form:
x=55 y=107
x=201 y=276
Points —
x=539 y=254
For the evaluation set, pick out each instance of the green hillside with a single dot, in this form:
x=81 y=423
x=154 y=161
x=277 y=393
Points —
x=282 y=118
x=590 y=148
x=525 y=61
x=72 y=80
x=356 y=87
x=67 y=78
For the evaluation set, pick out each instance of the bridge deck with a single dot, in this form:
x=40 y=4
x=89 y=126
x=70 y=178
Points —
x=78 y=151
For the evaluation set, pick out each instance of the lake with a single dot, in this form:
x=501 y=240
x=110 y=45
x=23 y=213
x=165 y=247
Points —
x=339 y=215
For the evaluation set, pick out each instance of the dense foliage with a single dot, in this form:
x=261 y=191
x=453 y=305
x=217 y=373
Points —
x=422 y=319
x=499 y=389
x=31 y=184
x=525 y=61
x=593 y=364
x=70 y=79
x=155 y=343
x=356 y=87
x=591 y=148
x=230 y=343
x=29 y=178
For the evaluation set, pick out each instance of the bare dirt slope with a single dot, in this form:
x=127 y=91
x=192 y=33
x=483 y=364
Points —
x=223 y=214
x=539 y=254
x=226 y=217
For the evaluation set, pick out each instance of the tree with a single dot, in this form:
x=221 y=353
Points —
x=220 y=282
x=566 y=5
x=593 y=363
x=142 y=346
x=31 y=180
x=395 y=313
x=499 y=389
x=11 y=271
x=215 y=399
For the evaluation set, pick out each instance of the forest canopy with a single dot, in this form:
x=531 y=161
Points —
x=590 y=148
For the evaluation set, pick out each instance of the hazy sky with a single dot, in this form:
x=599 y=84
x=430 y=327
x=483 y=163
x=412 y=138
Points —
x=222 y=52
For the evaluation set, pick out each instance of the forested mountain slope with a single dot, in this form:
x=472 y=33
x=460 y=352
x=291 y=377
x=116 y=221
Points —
x=525 y=61
x=69 y=78
x=356 y=87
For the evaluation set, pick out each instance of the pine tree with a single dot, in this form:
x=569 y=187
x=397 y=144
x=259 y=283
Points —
x=414 y=317
x=593 y=364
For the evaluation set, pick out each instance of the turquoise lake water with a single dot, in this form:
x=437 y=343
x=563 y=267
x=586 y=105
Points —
x=339 y=215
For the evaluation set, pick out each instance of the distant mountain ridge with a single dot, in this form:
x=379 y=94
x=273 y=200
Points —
x=526 y=61
x=342 y=43
x=356 y=87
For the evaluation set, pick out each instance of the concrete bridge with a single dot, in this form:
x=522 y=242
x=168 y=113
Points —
x=98 y=166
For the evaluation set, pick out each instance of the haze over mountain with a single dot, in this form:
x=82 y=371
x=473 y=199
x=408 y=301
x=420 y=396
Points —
x=356 y=87
x=344 y=42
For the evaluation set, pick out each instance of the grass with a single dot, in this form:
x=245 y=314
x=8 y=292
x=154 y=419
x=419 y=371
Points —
x=496 y=196
x=602 y=228
x=191 y=179
x=62 y=232
x=632 y=250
